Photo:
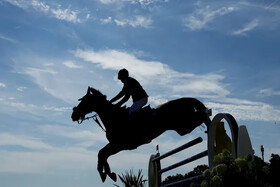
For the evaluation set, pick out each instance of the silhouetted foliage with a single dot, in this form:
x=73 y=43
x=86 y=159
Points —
x=243 y=171
x=198 y=170
x=274 y=167
x=131 y=180
x=230 y=172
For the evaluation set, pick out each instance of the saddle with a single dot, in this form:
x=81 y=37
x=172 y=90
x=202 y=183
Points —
x=147 y=110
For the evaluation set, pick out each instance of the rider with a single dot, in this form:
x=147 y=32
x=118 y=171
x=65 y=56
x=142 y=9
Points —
x=131 y=87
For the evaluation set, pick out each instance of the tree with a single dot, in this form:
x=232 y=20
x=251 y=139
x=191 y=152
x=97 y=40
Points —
x=274 y=169
x=243 y=171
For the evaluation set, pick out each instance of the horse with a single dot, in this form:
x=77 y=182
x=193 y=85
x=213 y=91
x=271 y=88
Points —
x=126 y=131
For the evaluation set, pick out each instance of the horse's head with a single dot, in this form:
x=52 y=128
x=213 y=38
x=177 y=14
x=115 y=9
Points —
x=89 y=103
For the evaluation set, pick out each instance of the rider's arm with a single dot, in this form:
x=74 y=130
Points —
x=126 y=97
x=117 y=97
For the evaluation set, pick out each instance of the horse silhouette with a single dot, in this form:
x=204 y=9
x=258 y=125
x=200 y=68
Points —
x=127 y=132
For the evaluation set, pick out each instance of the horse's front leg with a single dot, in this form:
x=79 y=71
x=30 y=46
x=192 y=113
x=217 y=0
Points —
x=103 y=166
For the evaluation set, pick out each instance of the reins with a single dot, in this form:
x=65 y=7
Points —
x=94 y=117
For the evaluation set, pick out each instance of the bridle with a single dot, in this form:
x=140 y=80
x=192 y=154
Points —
x=94 y=117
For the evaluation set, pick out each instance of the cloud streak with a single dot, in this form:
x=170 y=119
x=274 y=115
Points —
x=57 y=12
x=200 y=18
x=72 y=65
x=248 y=27
x=2 y=37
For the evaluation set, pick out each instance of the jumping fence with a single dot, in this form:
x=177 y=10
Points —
x=155 y=171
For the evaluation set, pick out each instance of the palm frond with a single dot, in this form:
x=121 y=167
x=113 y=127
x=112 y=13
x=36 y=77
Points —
x=131 y=180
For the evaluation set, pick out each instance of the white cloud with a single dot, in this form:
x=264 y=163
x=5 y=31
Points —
x=48 y=162
x=9 y=105
x=207 y=86
x=40 y=6
x=86 y=138
x=21 y=88
x=115 y=60
x=107 y=20
x=55 y=82
x=137 y=21
x=269 y=92
x=141 y=2
x=72 y=65
x=156 y=74
x=41 y=157
x=10 y=139
x=58 y=12
x=38 y=71
x=12 y=105
x=2 y=85
x=66 y=14
x=108 y=1
x=246 y=110
x=248 y=27
x=56 y=109
x=19 y=3
x=202 y=16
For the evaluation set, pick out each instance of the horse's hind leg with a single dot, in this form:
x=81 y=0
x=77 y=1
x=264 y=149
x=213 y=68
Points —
x=103 y=166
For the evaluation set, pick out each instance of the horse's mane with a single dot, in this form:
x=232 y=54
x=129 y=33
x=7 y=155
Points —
x=118 y=108
x=99 y=93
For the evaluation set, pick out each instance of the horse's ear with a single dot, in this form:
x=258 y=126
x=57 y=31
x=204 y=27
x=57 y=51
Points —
x=88 y=91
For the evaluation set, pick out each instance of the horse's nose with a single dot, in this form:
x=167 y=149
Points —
x=74 y=116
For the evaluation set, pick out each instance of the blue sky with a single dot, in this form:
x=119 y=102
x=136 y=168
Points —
x=225 y=53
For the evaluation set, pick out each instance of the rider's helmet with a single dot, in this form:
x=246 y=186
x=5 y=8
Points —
x=123 y=74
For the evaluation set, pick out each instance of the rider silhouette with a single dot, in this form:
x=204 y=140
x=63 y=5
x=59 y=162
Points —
x=131 y=87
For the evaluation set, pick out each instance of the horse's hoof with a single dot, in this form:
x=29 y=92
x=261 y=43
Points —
x=103 y=176
x=113 y=176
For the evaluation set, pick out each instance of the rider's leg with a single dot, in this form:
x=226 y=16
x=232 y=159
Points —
x=137 y=105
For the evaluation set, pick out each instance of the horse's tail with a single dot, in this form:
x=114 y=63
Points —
x=201 y=108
